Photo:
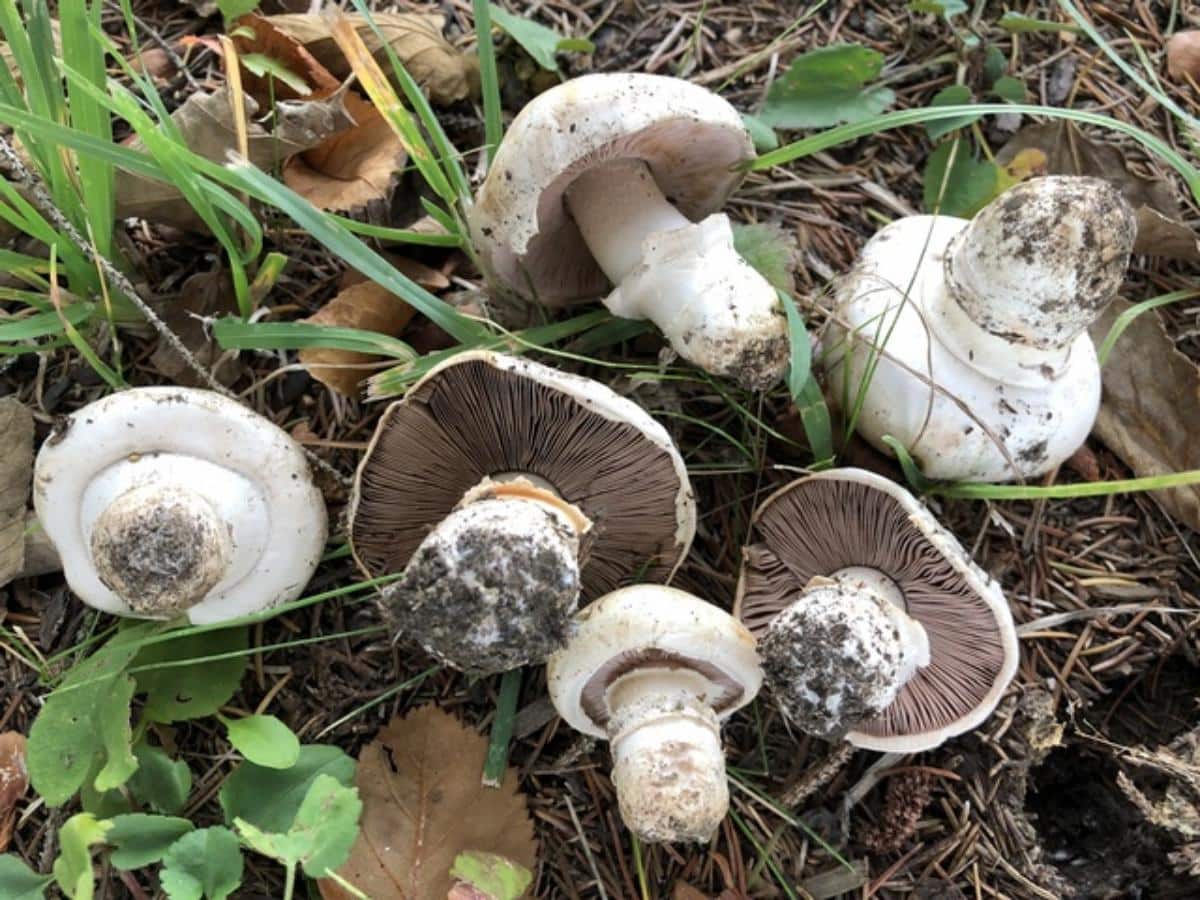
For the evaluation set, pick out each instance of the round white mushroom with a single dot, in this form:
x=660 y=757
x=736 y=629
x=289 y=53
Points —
x=654 y=670
x=165 y=502
x=989 y=372
x=502 y=490
x=873 y=623
x=613 y=182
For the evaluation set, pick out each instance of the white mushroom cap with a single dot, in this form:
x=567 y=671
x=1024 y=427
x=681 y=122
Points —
x=692 y=140
x=654 y=669
x=163 y=500
x=1038 y=264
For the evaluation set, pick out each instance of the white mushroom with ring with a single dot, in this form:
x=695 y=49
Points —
x=872 y=622
x=166 y=501
x=655 y=670
x=967 y=341
x=502 y=490
x=612 y=184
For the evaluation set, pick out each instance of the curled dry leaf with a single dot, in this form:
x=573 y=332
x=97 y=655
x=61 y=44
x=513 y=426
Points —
x=423 y=805
x=256 y=36
x=369 y=307
x=16 y=473
x=416 y=38
x=1183 y=55
x=201 y=295
x=14 y=782
x=206 y=123
x=1150 y=412
x=1068 y=152
x=352 y=168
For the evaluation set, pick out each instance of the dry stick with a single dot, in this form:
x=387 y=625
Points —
x=46 y=205
x=814 y=779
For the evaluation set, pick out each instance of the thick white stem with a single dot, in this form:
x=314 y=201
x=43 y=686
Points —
x=668 y=762
x=914 y=642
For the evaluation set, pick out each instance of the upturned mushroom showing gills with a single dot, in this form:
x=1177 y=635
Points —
x=872 y=622
x=611 y=184
x=502 y=490
x=987 y=371
x=655 y=671
x=166 y=502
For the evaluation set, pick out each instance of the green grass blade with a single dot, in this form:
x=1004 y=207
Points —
x=235 y=334
x=1125 y=319
x=493 y=121
x=44 y=323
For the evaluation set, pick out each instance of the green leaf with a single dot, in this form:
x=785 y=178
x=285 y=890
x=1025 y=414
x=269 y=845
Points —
x=102 y=804
x=140 y=839
x=178 y=688
x=945 y=8
x=491 y=874
x=19 y=882
x=762 y=134
x=264 y=741
x=69 y=738
x=827 y=86
x=800 y=352
x=235 y=9
x=204 y=863
x=322 y=834
x=969 y=185
x=1015 y=22
x=160 y=782
x=116 y=732
x=769 y=249
x=270 y=798
x=262 y=66
x=1010 y=89
x=954 y=95
x=73 y=868
x=995 y=64
x=537 y=40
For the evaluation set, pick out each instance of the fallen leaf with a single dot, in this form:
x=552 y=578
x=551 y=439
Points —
x=416 y=39
x=14 y=781
x=1183 y=55
x=827 y=86
x=203 y=295
x=275 y=65
x=206 y=123
x=16 y=473
x=351 y=168
x=1068 y=152
x=487 y=876
x=366 y=306
x=423 y=805
x=1150 y=412
x=685 y=891
x=155 y=62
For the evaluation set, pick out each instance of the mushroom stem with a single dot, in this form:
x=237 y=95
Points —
x=161 y=547
x=668 y=763
x=494 y=585
x=715 y=309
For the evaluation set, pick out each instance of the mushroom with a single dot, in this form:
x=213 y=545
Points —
x=990 y=374
x=166 y=501
x=655 y=670
x=615 y=181
x=502 y=489
x=872 y=622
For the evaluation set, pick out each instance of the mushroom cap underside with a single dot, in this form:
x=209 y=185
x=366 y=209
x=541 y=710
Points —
x=483 y=414
x=692 y=140
x=242 y=463
x=818 y=525
x=651 y=627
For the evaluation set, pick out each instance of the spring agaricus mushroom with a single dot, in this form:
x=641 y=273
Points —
x=994 y=311
x=166 y=501
x=655 y=671
x=502 y=489
x=612 y=183
x=872 y=621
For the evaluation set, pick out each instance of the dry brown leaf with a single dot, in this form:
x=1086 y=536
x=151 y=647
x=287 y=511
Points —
x=423 y=804
x=16 y=473
x=155 y=62
x=206 y=122
x=1068 y=152
x=254 y=33
x=364 y=305
x=684 y=891
x=1150 y=413
x=203 y=294
x=1183 y=55
x=416 y=39
x=14 y=781
x=352 y=168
